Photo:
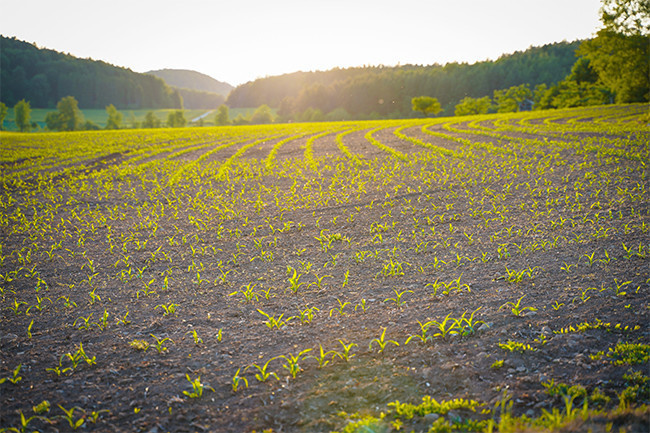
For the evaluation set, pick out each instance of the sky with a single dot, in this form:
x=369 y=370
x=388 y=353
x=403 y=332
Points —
x=239 y=41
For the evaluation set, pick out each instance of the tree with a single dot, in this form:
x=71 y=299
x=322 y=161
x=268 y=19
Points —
x=469 y=105
x=71 y=118
x=510 y=100
x=619 y=53
x=176 y=119
x=150 y=120
x=426 y=104
x=628 y=17
x=22 y=112
x=3 y=113
x=68 y=117
x=223 y=116
x=114 y=118
x=53 y=121
x=262 y=115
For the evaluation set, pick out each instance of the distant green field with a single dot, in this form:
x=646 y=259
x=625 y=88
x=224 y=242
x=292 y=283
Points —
x=99 y=116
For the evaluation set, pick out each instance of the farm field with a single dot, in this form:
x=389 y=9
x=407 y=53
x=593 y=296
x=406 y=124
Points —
x=484 y=273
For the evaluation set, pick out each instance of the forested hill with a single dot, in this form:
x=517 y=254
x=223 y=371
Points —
x=43 y=77
x=388 y=90
x=193 y=80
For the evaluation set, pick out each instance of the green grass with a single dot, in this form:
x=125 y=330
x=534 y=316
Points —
x=99 y=116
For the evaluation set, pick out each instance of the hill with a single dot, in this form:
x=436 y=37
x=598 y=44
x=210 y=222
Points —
x=197 y=90
x=382 y=91
x=44 y=76
x=193 y=80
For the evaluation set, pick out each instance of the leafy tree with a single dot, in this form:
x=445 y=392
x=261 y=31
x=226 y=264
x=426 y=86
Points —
x=53 y=121
x=69 y=115
x=338 y=115
x=223 y=116
x=628 y=17
x=509 y=100
x=89 y=125
x=620 y=51
x=582 y=72
x=426 y=104
x=310 y=115
x=22 y=113
x=150 y=120
x=240 y=120
x=114 y=118
x=176 y=119
x=3 y=113
x=262 y=115
x=469 y=105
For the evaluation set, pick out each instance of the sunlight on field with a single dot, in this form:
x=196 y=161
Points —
x=479 y=273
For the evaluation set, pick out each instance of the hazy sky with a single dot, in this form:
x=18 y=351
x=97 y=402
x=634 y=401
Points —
x=238 y=41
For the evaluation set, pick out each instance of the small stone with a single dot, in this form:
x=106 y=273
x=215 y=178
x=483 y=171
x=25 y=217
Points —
x=485 y=327
x=431 y=417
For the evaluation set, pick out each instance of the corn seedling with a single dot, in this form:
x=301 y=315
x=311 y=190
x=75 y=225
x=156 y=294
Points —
x=197 y=387
x=361 y=305
x=263 y=374
x=103 y=322
x=195 y=336
x=69 y=416
x=307 y=315
x=397 y=300
x=15 y=376
x=322 y=357
x=271 y=322
x=556 y=305
x=160 y=343
x=292 y=361
x=42 y=407
x=238 y=381
x=167 y=309
x=467 y=325
x=123 y=320
x=515 y=308
x=448 y=326
x=422 y=336
x=382 y=342
x=84 y=322
x=515 y=346
x=340 y=308
x=294 y=282
x=319 y=281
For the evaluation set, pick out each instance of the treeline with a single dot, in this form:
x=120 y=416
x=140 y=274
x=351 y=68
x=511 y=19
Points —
x=186 y=79
x=371 y=92
x=43 y=77
x=196 y=99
